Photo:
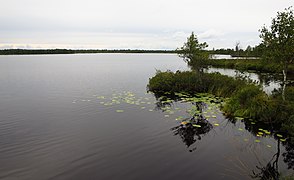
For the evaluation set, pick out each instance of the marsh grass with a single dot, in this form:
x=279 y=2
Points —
x=243 y=98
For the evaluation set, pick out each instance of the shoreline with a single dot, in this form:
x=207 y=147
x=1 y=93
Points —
x=79 y=51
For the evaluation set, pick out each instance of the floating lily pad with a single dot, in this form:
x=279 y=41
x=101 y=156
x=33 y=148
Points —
x=196 y=125
x=179 y=118
x=119 y=111
x=184 y=122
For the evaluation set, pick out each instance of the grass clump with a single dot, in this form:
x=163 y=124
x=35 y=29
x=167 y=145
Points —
x=245 y=99
x=193 y=82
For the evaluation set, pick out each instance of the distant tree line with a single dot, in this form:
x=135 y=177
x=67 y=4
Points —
x=256 y=51
x=71 y=51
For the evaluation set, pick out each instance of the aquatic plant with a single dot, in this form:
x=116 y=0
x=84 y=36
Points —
x=245 y=99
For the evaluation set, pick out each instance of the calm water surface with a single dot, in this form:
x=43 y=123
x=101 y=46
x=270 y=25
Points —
x=89 y=117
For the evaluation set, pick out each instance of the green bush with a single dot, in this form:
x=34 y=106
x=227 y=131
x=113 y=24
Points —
x=193 y=82
x=250 y=102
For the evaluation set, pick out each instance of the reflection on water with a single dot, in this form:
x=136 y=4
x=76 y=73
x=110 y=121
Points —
x=271 y=169
x=269 y=82
x=89 y=117
x=191 y=129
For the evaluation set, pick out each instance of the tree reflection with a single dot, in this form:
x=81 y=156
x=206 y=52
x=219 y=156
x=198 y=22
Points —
x=191 y=129
x=271 y=170
x=289 y=154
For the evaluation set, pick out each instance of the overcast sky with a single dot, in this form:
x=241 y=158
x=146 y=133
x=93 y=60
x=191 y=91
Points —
x=134 y=24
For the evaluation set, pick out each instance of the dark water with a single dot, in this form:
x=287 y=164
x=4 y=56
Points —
x=89 y=117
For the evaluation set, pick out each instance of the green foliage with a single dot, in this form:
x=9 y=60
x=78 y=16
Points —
x=278 y=39
x=289 y=94
x=249 y=102
x=245 y=99
x=255 y=51
x=193 y=52
x=249 y=64
x=194 y=82
x=175 y=82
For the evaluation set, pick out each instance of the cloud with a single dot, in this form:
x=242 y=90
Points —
x=180 y=35
x=210 y=34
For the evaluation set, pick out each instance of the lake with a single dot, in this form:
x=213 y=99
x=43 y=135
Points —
x=89 y=116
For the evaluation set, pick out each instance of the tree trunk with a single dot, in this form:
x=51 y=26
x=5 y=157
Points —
x=284 y=83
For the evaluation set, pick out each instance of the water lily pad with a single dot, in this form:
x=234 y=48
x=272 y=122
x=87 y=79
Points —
x=257 y=141
x=279 y=135
x=269 y=146
x=216 y=124
x=240 y=129
x=196 y=125
x=119 y=111
x=179 y=118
